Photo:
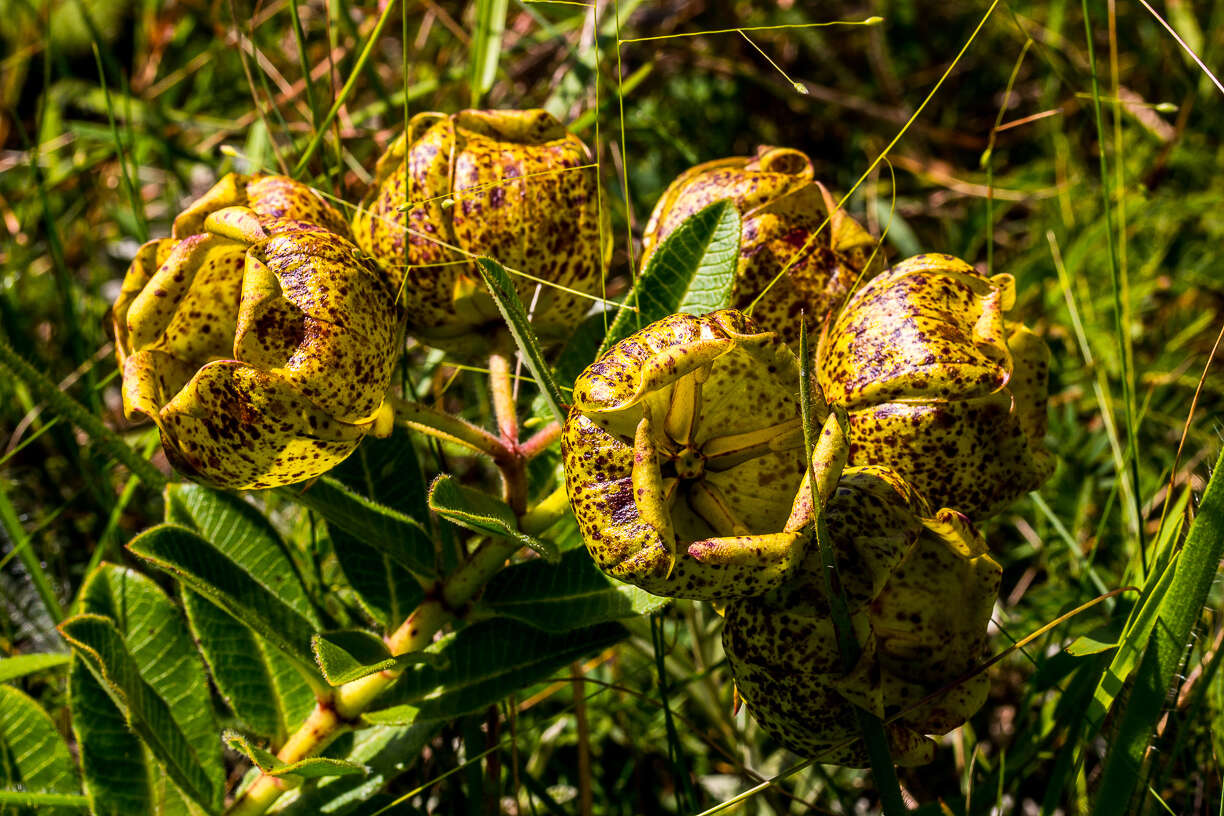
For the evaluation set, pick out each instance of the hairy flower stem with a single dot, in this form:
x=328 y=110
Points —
x=448 y=598
x=332 y=717
x=65 y=406
x=513 y=467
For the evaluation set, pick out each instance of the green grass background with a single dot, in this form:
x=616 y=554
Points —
x=114 y=113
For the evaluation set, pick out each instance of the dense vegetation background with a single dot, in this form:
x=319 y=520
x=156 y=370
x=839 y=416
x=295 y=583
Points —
x=110 y=121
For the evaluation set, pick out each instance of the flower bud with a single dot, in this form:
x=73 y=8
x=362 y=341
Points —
x=261 y=346
x=919 y=591
x=512 y=185
x=684 y=457
x=781 y=208
x=940 y=386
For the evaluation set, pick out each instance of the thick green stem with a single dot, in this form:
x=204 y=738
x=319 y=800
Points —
x=76 y=413
x=331 y=718
x=502 y=390
x=443 y=426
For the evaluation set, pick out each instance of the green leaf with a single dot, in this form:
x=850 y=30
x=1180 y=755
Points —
x=582 y=348
x=114 y=764
x=391 y=532
x=569 y=595
x=506 y=297
x=200 y=566
x=308 y=768
x=691 y=272
x=101 y=647
x=1194 y=571
x=387 y=751
x=13 y=667
x=262 y=688
x=486 y=46
x=478 y=511
x=485 y=662
x=241 y=533
x=43 y=803
x=156 y=639
x=385 y=590
x=387 y=471
x=1087 y=645
x=39 y=761
x=351 y=654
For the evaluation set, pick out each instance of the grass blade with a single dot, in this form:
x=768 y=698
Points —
x=1195 y=569
x=486 y=46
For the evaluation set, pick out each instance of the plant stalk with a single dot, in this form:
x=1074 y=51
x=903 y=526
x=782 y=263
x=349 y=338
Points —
x=68 y=408
x=331 y=718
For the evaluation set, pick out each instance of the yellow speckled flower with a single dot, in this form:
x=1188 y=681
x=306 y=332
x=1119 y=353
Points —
x=260 y=345
x=919 y=589
x=684 y=457
x=512 y=185
x=780 y=206
x=940 y=386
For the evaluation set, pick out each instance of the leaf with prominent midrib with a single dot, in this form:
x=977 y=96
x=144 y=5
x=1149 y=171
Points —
x=485 y=662
x=200 y=566
x=568 y=595
x=478 y=511
x=387 y=751
x=393 y=533
x=691 y=272
x=264 y=689
x=240 y=533
x=387 y=471
x=38 y=759
x=101 y=647
x=155 y=638
x=307 y=768
x=350 y=654
x=497 y=279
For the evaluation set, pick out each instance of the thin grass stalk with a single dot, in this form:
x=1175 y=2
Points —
x=1120 y=309
x=101 y=436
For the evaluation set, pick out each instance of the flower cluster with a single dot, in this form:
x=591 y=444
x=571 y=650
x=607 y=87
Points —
x=685 y=462
x=261 y=339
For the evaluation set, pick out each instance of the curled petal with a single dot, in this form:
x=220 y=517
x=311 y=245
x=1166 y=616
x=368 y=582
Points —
x=971 y=454
x=512 y=185
x=930 y=328
x=268 y=196
x=238 y=427
x=187 y=307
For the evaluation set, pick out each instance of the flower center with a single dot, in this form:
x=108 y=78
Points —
x=690 y=464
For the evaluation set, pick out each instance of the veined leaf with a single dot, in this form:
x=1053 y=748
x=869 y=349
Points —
x=101 y=648
x=265 y=690
x=1194 y=570
x=394 y=534
x=351 y=654
x=387 y=751
x=308 y=768
x=155 y=637
x=478 y=511
x=690 y=272
x=203 y=568
x=497 y=279
x=21 y=665
x=568 y=595
x=485 y=662
x=387 y=471
x=240 y=533
x=38 y=759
